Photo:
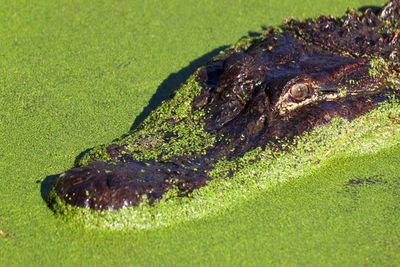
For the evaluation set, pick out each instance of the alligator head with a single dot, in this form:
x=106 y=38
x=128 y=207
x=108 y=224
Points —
x=285 y=83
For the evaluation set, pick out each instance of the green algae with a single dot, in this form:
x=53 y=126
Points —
x=388 y=70
x=62 y=92
x=255 y=172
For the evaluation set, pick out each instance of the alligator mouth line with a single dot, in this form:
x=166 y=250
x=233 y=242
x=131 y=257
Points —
x=275 y=88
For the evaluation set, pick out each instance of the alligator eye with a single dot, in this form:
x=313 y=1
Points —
x=299 y=91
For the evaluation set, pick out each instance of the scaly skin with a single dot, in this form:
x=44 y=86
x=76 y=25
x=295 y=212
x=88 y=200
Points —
x=294 y=78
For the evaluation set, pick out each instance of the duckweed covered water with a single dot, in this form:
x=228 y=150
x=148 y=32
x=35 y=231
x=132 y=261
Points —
x=74 y=75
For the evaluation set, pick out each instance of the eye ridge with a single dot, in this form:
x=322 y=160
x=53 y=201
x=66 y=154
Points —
x=299 y=91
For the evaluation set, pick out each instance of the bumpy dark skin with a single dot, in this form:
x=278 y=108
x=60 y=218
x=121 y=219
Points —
x=281 y=86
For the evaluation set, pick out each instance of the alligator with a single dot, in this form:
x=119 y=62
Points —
x=266 y=89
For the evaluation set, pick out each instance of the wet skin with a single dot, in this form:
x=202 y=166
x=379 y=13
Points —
x=283 y=85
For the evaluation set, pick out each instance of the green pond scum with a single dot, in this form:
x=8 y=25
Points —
x=74 y=74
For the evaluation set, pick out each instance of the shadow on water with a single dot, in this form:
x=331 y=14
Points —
x=172 y=82
x=80 y=156
x=375 y=9
x=46 y=185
